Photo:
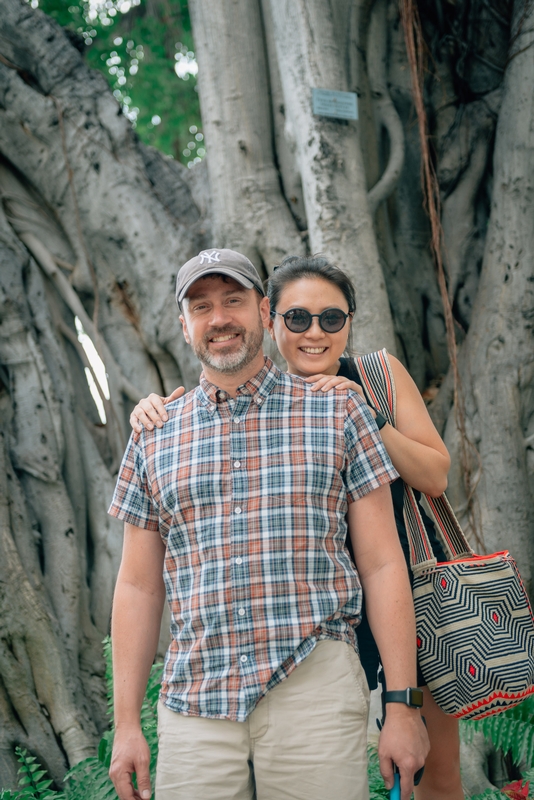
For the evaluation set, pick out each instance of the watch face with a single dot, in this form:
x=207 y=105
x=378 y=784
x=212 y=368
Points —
x=416 y=697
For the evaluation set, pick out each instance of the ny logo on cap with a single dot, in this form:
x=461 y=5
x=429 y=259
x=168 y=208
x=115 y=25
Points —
x=210 y=258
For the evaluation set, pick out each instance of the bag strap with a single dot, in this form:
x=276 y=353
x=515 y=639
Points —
x=379 y=387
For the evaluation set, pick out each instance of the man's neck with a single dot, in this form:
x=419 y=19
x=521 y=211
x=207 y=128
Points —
x=229 y=383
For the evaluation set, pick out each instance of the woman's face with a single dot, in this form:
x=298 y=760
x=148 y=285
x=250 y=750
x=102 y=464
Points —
x=314 y=351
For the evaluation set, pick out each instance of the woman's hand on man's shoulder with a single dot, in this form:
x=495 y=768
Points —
x=150 y=411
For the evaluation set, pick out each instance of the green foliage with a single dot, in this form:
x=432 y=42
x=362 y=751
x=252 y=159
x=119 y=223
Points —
x=33 y=783
x=89 y=779
x=512 y=731
x=489 y=794
x=145 y=50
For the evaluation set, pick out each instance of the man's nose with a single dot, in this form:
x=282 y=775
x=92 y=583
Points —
x=220 y=315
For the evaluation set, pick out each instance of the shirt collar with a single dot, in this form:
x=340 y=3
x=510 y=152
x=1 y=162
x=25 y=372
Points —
x=258 y=388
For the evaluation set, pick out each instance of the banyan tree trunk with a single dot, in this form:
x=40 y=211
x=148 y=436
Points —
x=93 y=226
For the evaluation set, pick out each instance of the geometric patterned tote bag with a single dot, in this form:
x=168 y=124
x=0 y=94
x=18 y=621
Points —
x=475 y=629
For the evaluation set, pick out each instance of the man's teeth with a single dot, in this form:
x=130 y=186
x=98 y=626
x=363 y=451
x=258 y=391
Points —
x=225 y=338
x=313 y=350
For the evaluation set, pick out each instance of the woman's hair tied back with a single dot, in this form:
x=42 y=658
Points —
x=293 y=268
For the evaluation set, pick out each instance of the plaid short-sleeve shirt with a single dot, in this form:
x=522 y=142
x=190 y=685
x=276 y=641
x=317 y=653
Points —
x=250 y=496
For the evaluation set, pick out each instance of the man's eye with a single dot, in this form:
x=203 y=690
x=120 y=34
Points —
x=199 y=309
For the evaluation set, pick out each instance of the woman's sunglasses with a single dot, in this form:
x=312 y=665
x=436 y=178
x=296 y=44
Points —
x=299 y=320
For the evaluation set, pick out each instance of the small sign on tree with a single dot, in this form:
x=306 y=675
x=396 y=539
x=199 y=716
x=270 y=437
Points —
x=340 y=105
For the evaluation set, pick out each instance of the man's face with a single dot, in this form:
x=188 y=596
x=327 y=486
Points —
x=223 y=322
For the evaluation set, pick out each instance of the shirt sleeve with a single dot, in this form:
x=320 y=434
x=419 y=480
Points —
x=132 y=499
x=368 y=464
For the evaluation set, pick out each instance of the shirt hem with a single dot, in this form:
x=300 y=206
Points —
x=113 y=511
x=378 y=481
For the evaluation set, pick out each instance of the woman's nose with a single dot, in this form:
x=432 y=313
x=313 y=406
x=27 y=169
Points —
x=315 y=331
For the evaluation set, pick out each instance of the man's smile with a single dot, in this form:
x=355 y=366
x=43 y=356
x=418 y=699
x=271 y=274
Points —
x=224 y=337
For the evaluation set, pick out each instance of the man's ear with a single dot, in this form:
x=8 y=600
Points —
x=184 y=328
x=265 y=311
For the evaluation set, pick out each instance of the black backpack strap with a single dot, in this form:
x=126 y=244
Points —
x=350 y=370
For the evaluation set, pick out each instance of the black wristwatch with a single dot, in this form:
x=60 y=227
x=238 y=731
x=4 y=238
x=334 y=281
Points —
x=411 y=697
x=379 y=418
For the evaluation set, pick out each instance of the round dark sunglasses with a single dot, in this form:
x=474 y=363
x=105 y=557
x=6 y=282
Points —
x=299 y=320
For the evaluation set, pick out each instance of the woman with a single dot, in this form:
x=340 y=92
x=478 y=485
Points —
x=312 y=305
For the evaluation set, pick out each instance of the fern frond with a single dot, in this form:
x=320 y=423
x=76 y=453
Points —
x=512 y=731
x=31 y=783
x=89 y=780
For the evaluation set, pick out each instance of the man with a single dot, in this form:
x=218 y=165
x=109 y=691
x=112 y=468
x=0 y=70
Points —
x=240 y=503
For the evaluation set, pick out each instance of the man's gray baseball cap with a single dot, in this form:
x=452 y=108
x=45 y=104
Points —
x=224 y=262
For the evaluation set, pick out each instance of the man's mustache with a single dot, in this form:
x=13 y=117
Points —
x=222 y=332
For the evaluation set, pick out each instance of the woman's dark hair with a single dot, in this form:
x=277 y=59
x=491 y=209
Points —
x=293 y=268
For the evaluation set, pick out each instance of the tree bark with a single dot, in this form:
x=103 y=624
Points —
x=250 y=213
x=329 y=160
x=83 y=233
x=497 y=359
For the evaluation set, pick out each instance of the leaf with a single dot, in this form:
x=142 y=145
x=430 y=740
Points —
x=512 y=731
x=137 y=52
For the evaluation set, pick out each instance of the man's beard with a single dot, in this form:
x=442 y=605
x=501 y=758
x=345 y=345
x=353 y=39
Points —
x=235 y=360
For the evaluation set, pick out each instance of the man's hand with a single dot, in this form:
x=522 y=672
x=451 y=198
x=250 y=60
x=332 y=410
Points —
x=403 y=741
x=130 y=755
x=150 y=410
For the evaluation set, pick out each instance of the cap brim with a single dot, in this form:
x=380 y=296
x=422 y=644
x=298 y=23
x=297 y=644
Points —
x=228 y=271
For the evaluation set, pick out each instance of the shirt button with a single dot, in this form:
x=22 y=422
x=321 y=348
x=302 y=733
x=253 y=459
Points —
x=241 y=612
x=243 y=659
x=237 y=464
x=237 y=419
x=238 y=510
x=239 y=561
x=212 y=408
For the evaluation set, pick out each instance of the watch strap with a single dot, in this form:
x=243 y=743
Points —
x=411 y=697
x=380 y=420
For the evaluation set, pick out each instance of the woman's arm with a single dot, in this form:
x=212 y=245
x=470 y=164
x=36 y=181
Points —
x=414 y=446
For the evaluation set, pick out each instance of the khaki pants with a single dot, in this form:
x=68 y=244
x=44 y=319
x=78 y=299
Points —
x=305 y=740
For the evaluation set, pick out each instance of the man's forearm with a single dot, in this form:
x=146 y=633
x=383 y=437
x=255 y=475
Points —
x=389 y=607
x=135 y=630
x=389 y=604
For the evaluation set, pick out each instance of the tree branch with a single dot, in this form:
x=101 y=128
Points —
x=386 y=112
